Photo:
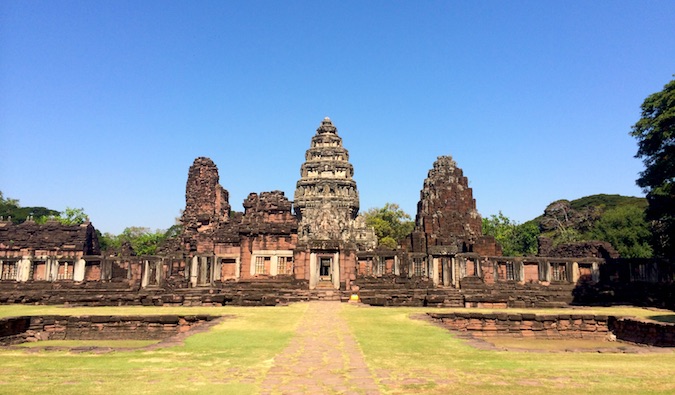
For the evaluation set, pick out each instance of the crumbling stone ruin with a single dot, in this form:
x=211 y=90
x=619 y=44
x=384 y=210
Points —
x=317 y=246
x=47 y=252
x=447 y=219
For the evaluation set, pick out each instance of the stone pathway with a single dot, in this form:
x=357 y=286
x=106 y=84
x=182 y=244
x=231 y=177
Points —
x=323 y=358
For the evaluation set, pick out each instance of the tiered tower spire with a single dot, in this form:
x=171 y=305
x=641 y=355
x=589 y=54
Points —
x=326 y=198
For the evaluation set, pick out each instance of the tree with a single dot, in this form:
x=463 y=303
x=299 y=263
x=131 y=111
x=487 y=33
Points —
x=655 y=132
x=625 y=228
x=515 y=239
x=73 y=216
x=11 y=208
x=391 y=224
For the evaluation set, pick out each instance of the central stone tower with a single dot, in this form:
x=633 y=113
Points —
x=327 y=206
x=326 y=199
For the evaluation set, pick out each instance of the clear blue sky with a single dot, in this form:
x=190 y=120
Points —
x=105 y=104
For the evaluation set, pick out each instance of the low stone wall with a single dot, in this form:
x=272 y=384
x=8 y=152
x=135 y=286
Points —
x=633 y=330
x=241 y=293
x=401 y=291
x=14 y=330
x=560 y=326
x=512 y=294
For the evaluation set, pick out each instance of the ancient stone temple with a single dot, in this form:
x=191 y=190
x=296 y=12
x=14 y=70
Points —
x=317 y=246
x=317 y=242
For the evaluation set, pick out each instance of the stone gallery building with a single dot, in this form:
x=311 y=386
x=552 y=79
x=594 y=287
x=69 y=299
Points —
x=316 y=246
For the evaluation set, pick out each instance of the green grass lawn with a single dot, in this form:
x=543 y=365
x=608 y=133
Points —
x=406 y=357
x=400 y=351
x=231 y=358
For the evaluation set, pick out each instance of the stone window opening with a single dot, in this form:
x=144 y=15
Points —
x=543 y=271
x=418 y=267
x=559 y=271
x=65 y=271
x=365 y=266
x=38 y=271
x=262 y=264
x=8 y=270
x=510 y=271
x=285 y=265
x=643 y=272
x=506 y=271
x=381 y=266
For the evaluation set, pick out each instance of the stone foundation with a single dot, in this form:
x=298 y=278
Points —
x=15 y=330
x=560 y=326
x=402 y=291
x=240 y=293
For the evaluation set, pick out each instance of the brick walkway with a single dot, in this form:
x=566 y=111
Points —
x=323 y=358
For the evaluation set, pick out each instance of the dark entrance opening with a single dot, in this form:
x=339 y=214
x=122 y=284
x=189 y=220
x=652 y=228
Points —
x=324 y=268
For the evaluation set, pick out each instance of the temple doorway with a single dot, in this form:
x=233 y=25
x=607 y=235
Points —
x=325 y=268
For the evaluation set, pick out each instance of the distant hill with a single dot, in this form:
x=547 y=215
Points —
x=619 y=220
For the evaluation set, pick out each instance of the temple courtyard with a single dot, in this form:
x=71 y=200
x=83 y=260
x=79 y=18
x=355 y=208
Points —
x=332 y=348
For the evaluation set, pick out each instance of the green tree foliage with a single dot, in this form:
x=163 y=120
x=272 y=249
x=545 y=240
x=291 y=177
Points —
x=626 y=229
x=516 y=239
x=655 y=132
x=391 y=224
x=142 y=240
x=619 y=220
x=11 y=208
x=72 y=216
x=108 y=241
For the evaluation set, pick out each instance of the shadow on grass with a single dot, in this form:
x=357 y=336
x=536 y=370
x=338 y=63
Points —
x=669 y=318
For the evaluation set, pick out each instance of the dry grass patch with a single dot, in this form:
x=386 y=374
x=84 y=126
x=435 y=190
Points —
x=89 y=343
x=588 y=345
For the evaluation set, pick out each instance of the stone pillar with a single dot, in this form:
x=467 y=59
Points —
x=23 y=268
x=144 y=276
x=430 y=269
x=575 y=272
x=52 y=269
x=217 y=269
x=194 y=274
x=336 y=270
x=313 y=271
x=78 y=270
x=274 y=265
x=106 y=269
x=397 y=265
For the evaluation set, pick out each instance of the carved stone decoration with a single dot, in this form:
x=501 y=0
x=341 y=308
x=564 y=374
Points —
x=326 y=198
x=446 y=212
